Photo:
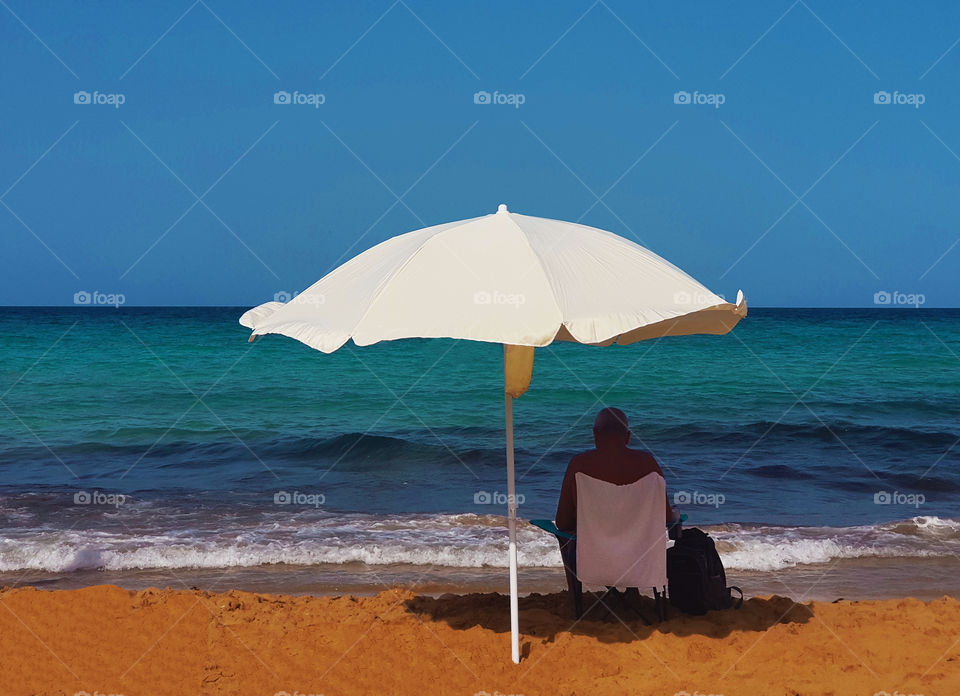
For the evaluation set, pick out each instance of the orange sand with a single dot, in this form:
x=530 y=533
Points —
x=108 y=640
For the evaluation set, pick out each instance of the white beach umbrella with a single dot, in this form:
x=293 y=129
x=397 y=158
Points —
x=503 y=278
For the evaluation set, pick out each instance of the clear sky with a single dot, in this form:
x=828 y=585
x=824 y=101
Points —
x=199 y=189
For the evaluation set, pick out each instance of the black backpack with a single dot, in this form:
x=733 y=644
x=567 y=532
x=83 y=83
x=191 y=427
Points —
x=695 y=574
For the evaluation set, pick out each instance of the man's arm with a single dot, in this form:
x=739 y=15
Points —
x=671 y=516
x=566 y=518
x=669 y=510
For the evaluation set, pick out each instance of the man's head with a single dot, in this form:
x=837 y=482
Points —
x=611 y=428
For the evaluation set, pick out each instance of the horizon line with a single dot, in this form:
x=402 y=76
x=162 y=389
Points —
x=244 y=306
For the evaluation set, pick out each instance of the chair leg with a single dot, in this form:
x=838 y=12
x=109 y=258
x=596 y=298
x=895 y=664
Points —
x=660 y=598
x=568 y=554
x=615 y=594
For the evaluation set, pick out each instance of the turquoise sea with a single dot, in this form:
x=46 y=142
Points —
x=141 y=441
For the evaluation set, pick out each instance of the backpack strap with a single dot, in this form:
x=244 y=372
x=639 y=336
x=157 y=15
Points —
x=740 y=600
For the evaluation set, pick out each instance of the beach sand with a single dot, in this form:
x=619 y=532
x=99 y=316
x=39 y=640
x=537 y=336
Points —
x=113 y=641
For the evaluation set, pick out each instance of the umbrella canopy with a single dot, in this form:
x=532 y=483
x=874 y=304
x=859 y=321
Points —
x=502 y=278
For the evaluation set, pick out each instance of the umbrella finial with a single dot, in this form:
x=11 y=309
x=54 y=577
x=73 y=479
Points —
x=502 y=208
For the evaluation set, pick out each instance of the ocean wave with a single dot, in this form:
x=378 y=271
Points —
x=186 y=448
x=458 y=541
x=349 y=450
x=774 y=548
x=884 y=436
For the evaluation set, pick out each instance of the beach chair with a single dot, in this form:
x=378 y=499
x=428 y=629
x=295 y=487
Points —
x=620 y=540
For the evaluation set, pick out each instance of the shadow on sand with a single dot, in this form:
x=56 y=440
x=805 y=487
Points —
x=547 y=615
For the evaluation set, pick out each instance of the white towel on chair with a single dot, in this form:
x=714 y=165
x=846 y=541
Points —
x=621 y=536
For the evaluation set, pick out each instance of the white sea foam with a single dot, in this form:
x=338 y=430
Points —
x=772 y=553
x=773 y=548
x=459 y=541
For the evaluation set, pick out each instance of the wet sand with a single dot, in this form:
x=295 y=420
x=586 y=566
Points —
x=866 y=578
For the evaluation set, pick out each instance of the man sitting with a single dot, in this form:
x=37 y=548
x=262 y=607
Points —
x=611 y=461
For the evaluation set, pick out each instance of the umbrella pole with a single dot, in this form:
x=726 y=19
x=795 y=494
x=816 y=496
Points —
x=512 y=522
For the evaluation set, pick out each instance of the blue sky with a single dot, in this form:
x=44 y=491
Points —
x=798 y=188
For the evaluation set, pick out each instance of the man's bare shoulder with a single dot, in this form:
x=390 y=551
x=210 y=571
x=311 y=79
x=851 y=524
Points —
x=582 y=460
x=644 y=459
x=643 y=454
